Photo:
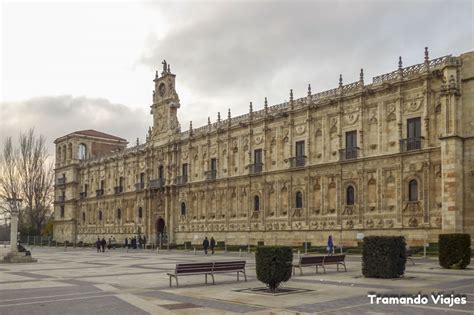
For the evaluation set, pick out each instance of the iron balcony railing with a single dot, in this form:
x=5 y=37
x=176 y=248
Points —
x=211 y=175
x=181 y=180
x=349 y=154
x=410 y=144
x=256 y=168
x=297 y=161
x=61 y=198
x=83 y=195
x=61 y=180
x=139 y=186
x=99 y=192
x=118 y=189
x=156 y=183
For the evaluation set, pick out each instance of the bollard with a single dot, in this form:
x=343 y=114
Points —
x=240 y=252
x=194 y=250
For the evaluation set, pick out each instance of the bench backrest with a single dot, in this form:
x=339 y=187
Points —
x=194 y=267
x=311 y=260
x=229 y=265
x=334 y=258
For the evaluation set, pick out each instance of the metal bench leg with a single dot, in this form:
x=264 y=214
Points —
x=345 y=269
x=205 y=275
x=177 y=285
x=170 y=281
x=245 y=276
x=301 y=271
x=238 y=276
x=324 y=268
x=212 y=275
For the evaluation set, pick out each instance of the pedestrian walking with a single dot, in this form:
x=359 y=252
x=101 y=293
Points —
x=205 y=244
x=330 y=247
x=212 y=244
x=103 y=243
x=97 y=244
x=109 y=243
x=126 y=243
x=140 y=241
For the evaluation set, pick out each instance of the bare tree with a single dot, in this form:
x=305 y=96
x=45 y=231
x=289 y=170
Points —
x=27 y=173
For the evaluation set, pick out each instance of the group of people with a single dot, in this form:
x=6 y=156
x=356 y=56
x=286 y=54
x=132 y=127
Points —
x=206 y=244
x=101 y=243
x=135 y=243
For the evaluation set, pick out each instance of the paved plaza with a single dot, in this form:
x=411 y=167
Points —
x=81 y=281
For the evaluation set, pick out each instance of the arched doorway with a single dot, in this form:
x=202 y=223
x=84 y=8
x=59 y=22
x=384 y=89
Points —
x=160 y=230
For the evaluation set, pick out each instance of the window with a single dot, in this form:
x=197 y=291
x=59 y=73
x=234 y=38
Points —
x=350 y=196
x=256 y=203
x=100 y=215
x=300 y=149
x=184 y=170
x=183 y=208
x=82 y=151
x=140 y=213
x=86 y=189
x=62 y=211
x=102 y=184
x=351 y=145
x=257 y=156
x=299 y=200
x=213 y=165
x=161 y=172
x=142 y=178
x=83 y=217
x=119 y=213
x=121 y=181
x=413 y=134
x=413 y=190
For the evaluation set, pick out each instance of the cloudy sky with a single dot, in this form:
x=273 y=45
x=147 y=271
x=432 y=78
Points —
x=90 y=65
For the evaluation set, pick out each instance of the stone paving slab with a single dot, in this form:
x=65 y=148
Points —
x=82 y=281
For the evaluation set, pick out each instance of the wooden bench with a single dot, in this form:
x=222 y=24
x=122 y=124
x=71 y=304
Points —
x=320 y=261
x=190 y=269
x=229 y=267
x=210 y=268
x=307 y=261
x=335 y=260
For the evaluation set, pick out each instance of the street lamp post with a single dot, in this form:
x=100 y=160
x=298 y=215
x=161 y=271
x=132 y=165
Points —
x=14 y=222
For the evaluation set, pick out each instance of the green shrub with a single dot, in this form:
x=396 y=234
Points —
x=273 y=265
x=383 y=256
x=454 y=250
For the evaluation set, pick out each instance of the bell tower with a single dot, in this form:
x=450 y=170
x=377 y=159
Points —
x=165 y=105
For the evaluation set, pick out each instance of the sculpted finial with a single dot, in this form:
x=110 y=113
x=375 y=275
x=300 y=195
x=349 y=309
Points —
x=169 y=68
x=427 y=58
x=266 y=104
x=340 y=80
x=361 y=75
x=218 y=117
x=165 y=66
x=156 y=75
x=250 y=108
x=228 y=114
x=208 y=121
x=291 y=95
x=309 y=89
x=400 y=63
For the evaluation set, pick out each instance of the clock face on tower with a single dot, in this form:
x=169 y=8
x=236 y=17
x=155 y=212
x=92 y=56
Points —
x=162 y=89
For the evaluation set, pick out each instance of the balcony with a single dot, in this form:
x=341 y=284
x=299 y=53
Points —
x=140 y=186
x=211 y=175
x=255 y=168
x=99 y=192
x=118 y=190
x=61 y=198
x=349 y=154
x=410 y=144
x=156 y=183
x=181 y=180
x=83 y=195
x=298 y=161
x=61 y=181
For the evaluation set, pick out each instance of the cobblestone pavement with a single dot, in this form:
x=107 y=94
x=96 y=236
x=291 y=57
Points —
x=81 y=281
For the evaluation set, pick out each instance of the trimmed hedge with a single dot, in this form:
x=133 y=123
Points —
x=273 y=265
x=454 y=250
x=383 y=256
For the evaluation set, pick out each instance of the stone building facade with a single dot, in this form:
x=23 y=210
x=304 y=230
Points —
x=392 y=157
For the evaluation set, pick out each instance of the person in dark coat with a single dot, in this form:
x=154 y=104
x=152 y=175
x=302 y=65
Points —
x=205 y=244
x=144 y=242
x=126 y=242
x=103 y=243
x=212 y=245
x=98 y=244
x=330 y=245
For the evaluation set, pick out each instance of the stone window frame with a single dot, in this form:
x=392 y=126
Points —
x=183 y=207
x=298 y=199
x=409 y=196
x=256 y=203
x=119 y=214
